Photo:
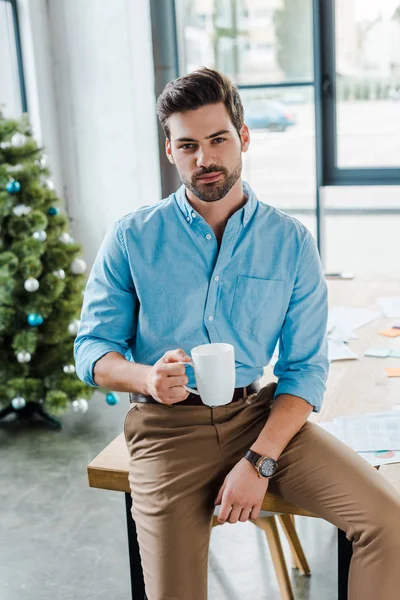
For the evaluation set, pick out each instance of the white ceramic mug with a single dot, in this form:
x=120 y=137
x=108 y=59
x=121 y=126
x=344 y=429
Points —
x=214 y=370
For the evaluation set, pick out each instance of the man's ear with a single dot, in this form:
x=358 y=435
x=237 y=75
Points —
x=245 y=138
x=168 y=151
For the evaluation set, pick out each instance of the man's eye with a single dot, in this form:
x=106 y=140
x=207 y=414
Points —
x=219 y=140
x=187 y=147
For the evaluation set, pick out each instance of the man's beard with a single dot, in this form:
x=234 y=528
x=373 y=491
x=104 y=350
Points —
x=212 y=192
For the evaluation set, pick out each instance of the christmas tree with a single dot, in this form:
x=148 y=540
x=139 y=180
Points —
x=42 y=278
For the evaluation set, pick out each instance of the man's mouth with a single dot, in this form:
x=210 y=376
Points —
x=209 y=177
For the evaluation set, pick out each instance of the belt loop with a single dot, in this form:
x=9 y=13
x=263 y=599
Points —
x=244 y=393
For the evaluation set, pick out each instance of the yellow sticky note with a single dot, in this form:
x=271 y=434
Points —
x=392 y=372
x=392 y=332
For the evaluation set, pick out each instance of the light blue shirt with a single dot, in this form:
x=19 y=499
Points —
x=160 y=282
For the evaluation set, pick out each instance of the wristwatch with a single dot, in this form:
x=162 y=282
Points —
x=264 y=465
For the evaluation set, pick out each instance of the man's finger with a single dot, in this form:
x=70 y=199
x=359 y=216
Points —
x=224 y=510
x=175 y=355
x=255 y=513
x=235 y=514
x=245 y=514
x=219 y=495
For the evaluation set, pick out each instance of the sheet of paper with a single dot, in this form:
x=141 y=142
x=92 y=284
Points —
x=376 y=458
x=348 y=318
x=368 y=434
x=338 y=350
x=375 y=415
x=341 y=334
x=390 y=306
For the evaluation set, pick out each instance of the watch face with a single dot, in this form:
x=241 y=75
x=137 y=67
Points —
x=267 y=467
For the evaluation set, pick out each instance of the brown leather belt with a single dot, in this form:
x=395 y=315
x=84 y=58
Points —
x=195 y=400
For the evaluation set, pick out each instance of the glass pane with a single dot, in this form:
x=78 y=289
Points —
x=368 y=83
x=280 y=162
x=10 y=95
x=251 y=41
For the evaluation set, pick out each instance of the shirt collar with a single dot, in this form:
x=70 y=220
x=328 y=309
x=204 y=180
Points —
x=190 y=213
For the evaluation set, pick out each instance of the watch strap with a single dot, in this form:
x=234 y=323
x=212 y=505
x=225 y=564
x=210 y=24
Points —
x=252 y=457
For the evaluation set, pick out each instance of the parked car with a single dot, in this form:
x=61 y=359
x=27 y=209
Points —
x=268 y=114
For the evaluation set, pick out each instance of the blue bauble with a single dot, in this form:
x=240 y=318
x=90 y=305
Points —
x=53 y=210
x=13 y=187
x=35 y=320
x=112 y=399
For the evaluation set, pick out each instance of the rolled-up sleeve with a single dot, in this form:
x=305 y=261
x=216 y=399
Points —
x=302 y=367
x=108 y=320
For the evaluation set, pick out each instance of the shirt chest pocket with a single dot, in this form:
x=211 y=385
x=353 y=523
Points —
x=259 y=305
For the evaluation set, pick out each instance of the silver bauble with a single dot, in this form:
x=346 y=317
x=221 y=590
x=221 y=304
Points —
x=49 y=184
x=18 y=140
x=80 y=406
x=18 y=402
x=21 y=209
x=78 y=266
x=74 y=326
x=15 y=168
x=31 y=284
x=65 y=238
x=40 y=235
x=23 y=356
x=60 y=273
x=5 y=145
x=69 y=369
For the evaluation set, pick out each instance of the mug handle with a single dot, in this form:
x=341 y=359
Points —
x=189 y=389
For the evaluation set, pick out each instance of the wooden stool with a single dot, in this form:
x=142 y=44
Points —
x=267 y=522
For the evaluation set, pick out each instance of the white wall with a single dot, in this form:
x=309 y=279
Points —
x=95 y=92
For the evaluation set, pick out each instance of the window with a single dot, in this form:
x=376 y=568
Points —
x=361 y=68
x=12 y=88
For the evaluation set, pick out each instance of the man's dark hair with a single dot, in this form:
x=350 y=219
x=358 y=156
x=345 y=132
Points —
x=199 y=88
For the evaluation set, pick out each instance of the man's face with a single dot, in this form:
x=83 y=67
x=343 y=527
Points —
x=206 y=149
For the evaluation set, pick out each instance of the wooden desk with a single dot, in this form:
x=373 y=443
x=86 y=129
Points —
x=354 y=386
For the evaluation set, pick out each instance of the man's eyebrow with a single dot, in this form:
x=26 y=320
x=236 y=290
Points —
x=216 y=134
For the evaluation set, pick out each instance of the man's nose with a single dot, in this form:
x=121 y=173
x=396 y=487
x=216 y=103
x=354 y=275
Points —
x=204 y=158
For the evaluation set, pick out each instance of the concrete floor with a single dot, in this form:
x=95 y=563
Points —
x=61 y=540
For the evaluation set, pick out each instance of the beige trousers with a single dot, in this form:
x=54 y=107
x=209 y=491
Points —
x=179 y=458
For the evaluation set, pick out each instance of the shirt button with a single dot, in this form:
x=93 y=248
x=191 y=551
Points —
x=193 y=215
x=209 y=236
x=216 y=278
x=211 y=318
x=187 y=219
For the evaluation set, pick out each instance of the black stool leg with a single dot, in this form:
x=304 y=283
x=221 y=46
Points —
x=137 y=581
x=345 y=552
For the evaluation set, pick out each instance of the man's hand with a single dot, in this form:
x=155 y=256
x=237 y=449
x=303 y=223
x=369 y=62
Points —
x=166 y=378
x=241 y=494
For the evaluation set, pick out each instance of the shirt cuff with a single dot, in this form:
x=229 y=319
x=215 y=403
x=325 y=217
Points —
x=88 y=354
x=309 y=387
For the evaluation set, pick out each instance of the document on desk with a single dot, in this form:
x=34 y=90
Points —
x=390 y=306
x=338 y=350
x=348 y=318
x=368 y=433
